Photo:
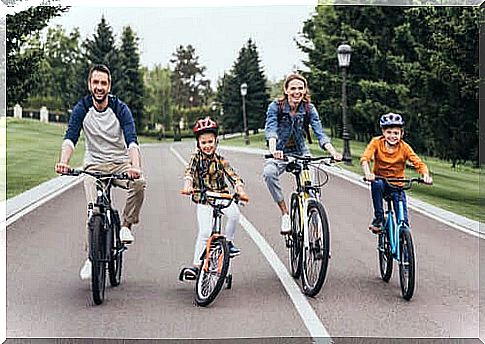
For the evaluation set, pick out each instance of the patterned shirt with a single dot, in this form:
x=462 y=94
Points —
x=212 y=171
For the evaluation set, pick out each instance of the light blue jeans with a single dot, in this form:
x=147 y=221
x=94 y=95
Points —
x=273 y=168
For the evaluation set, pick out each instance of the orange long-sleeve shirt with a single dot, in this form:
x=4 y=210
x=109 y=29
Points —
x=391 y=165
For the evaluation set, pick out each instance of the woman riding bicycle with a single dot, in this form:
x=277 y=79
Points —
x=390 y=154
x=207 y=171
x=287 y=122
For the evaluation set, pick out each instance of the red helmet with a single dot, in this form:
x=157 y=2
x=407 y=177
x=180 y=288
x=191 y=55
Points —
x=206 y=125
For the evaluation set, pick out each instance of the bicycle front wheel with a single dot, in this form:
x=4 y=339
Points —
x=213 y=271
x=316 y=255
x=295 y=238
x=407 y=264
x=385 y=255
x=116 y=263
x=97 y=255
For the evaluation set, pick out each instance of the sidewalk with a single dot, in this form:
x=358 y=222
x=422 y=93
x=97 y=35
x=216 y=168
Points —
x=31 y=199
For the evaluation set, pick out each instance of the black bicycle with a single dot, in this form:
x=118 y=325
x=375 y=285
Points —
x=215 y=259
x=105 y=247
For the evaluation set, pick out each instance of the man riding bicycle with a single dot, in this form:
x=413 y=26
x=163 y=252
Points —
x=111 y=147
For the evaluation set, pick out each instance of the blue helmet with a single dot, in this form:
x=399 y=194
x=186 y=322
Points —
x=391 y=120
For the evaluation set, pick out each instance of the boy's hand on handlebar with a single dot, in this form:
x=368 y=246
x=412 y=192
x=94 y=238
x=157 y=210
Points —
x=427 y=179
x=62 y=168
x=370 y=177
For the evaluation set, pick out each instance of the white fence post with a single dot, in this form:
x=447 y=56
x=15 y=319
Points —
x=17 y=111
x=44 y=114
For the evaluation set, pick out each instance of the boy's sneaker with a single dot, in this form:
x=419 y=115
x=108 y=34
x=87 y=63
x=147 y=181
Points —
x=85 y=272
x=233 y=250
x=125 y=236
x=285 y=224
x=375 y=226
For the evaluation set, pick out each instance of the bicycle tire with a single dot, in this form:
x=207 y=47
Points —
x=209 y=283
x=385 y=255
x=115 y=264
x=316 y=256
x=407 y=264
x=296 y=242
x=97 y=254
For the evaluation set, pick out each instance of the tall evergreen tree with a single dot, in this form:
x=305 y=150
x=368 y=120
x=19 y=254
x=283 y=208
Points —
x=130 y=83
x=189 y=85
x=247 y=69
x=101 y=49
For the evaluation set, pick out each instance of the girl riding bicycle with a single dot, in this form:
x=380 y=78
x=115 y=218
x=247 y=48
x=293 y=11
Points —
x=390 y=154
x=207 y=171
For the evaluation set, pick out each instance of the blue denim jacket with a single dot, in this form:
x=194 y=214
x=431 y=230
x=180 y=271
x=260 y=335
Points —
x=292 y=127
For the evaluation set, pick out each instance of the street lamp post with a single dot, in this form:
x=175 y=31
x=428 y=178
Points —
x=343 y=52
x=244 y=91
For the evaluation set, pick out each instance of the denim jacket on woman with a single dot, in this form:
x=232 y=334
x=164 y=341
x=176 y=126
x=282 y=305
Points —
x=289 y=131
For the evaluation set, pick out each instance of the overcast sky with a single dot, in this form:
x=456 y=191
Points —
x=216 y=33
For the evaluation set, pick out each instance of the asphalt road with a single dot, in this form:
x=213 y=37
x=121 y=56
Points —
x=46 y=298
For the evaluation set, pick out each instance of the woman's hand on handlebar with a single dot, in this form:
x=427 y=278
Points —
x=427 y=179
x=370 y=177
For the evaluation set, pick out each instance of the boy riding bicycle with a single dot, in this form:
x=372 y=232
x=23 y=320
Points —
x=390 y=154
x=207 y=171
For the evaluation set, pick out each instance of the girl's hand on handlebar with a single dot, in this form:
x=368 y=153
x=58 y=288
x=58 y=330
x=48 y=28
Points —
x=243 y=196
x=187 y=190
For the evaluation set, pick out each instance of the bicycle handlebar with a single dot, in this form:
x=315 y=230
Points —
x=407 y=182
x=98 y=175
x=220 y=195
x=327 y=160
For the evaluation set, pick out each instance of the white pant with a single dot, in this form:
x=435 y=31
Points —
x=204 y=221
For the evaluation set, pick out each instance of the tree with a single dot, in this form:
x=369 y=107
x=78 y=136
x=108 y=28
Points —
x=158 y=101
x=60 y=68
x=22 y=63
x=130 y=83
x=247 y=69
x=190 y=88
x=101 y=49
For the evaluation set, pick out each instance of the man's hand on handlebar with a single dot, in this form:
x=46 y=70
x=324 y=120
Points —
x=134 y=172
x=62 y=168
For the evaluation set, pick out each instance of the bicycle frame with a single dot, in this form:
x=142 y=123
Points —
x=394 y=226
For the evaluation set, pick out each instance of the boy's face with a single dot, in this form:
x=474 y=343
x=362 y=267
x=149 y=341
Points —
x=392 y=135
x=207 y=143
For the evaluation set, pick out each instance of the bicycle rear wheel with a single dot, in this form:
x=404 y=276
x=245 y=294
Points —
x=213 y=271
x=407 y=264
x=97 y=256
x=385 y=255
x=295 y=238
x=116 y=263
x=315 y=257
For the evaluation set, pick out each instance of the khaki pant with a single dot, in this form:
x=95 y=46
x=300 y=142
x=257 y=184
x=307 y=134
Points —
x=136 y=190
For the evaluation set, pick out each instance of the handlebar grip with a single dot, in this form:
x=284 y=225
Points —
x=244 y=198
x=268 y=156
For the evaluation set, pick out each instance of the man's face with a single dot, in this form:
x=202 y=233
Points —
x=99 y=85
x=207 y=143
x=392 y=135
x=295 y=90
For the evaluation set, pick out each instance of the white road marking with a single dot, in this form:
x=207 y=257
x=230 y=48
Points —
x=307 y=313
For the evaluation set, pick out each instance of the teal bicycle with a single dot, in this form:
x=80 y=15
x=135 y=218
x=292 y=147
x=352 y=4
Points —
x=395 y=241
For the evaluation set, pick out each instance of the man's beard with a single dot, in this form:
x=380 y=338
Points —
x=99 y=101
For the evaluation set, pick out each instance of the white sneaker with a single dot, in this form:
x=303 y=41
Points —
x=85 y=272
x=125 y=235
x=285 y=224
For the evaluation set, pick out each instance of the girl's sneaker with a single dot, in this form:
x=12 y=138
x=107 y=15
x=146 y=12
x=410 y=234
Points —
x=233 y=250
x=375 y=226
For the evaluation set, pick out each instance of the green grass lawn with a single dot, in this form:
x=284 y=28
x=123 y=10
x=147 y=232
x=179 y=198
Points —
x=32 y=151
x=456 y=190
